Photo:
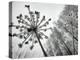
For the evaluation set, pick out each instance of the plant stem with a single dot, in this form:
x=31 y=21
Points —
x=45 y=54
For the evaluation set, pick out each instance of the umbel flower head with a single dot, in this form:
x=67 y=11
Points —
x=31 y=28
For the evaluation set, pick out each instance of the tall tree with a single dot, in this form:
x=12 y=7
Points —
x=68 y=22
x=65 y=33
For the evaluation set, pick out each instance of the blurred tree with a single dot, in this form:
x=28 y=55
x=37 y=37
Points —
x=68 y=22
x=64 y=37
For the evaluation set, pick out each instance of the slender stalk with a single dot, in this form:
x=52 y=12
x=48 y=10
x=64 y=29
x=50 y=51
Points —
x=45 y=54
x=73 y=39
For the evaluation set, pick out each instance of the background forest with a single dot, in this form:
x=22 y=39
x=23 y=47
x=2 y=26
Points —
x=64 y=37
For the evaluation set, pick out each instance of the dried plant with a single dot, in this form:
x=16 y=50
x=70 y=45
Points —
x=31 y=28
